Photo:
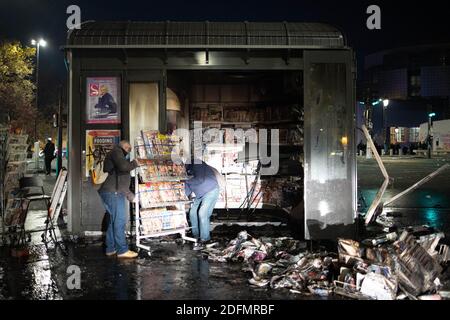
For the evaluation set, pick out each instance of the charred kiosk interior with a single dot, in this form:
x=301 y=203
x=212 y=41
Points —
x=237 y=108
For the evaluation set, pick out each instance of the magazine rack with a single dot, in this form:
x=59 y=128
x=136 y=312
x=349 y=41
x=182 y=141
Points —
x=13 y=156
x=160 y=198
x=3 y=146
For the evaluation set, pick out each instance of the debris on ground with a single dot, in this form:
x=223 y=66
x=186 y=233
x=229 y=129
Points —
x=397 y=265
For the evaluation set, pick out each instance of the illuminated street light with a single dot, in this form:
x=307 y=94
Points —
x=37 y=44
x=385 y=102
x=429 y=136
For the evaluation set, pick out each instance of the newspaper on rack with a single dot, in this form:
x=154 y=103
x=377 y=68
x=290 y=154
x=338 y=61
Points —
x=160 y=219
x=156 y=192
x=151 y=169
x=19 y=166
x=12 y=179
x=14 y=212
x=157 y=144
x=17 y=139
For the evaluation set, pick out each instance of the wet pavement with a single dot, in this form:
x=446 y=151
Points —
x=429 y=204
x=175 y=271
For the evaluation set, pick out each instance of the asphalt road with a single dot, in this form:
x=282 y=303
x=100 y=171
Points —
x=428 y=204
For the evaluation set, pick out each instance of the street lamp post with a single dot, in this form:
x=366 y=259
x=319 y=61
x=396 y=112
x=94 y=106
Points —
x=37 y=44
x=386 y=141
x=368 y=122
x=429 y=138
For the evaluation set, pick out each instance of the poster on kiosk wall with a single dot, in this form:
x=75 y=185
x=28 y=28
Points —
x=98 y=144
x=103 y=100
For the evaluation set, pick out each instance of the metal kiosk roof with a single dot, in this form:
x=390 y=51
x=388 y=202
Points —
x=205 y=35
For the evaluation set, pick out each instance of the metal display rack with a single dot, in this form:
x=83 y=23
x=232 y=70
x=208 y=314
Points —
x=3 y=146
x=13 y=167
x=160 y=216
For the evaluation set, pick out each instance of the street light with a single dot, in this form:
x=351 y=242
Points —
x=41 y=42
x=429 y=138
x=385 y=134
x=37 y=44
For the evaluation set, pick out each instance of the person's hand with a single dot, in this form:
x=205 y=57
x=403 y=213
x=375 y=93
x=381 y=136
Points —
x=130 y=196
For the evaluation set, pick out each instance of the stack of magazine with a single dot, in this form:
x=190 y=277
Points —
x=161 y=169
x=14 y=156
x=161 y=191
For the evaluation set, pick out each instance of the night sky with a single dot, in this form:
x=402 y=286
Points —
x=403 y=22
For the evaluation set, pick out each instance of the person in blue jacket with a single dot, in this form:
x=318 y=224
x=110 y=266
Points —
x=205 y=185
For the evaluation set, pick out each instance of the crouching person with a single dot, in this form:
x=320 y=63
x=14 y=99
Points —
x=115 y=192
x=205 y=184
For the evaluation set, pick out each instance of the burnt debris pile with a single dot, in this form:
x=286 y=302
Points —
x=403 y=265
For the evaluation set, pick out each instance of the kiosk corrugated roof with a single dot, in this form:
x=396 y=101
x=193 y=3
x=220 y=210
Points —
x=203 y=35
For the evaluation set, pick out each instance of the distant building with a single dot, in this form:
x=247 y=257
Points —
x=440 y=132
x=403 y=135
x=415 y=80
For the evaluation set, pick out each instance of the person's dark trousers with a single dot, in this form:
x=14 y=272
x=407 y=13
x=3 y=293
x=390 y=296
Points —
x=48 y=165
x=115 y=234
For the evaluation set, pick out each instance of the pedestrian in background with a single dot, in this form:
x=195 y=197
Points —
x=49 y=155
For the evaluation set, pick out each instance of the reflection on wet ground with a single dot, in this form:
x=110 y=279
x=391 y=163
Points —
x=423 y=207
x=172 y=272
x=175 y=271
x=428 y=204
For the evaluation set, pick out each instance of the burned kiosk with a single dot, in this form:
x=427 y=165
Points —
x=232 y=77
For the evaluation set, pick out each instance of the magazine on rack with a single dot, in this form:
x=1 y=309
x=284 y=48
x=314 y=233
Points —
x=17 y=139
x=151 y=169
x=158 y=144
x=161 y=219
x=156 y=192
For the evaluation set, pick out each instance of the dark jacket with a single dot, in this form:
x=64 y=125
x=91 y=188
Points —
x=118 y=168
x=106 y=102
x=49 y=150
x=203 y=181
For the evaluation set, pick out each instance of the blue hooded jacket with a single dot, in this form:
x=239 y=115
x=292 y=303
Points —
x=203 y=179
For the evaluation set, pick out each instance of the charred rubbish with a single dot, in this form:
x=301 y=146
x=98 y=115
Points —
x=398 y=265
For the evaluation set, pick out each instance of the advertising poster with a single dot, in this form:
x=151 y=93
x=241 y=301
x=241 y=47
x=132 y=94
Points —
x=98 y=144
x=103 y=100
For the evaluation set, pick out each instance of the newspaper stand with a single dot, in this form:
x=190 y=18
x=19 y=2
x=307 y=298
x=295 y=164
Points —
x=14 y=166
x=160 y=198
